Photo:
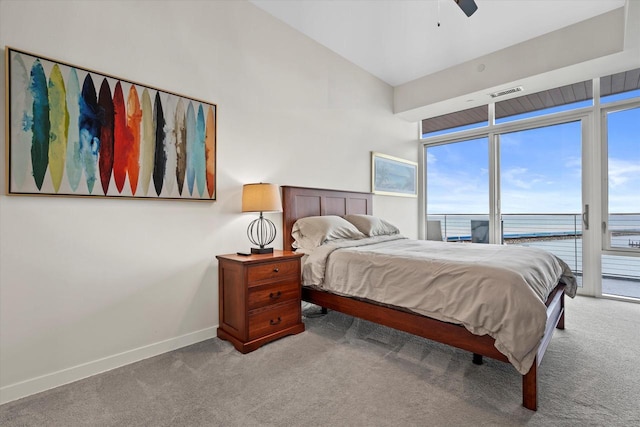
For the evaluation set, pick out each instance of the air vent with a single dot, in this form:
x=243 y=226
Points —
x=507 y=92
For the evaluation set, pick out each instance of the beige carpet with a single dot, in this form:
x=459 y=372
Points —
x=347 y=372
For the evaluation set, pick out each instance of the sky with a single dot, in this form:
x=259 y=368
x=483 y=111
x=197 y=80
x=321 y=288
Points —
x=540 y=170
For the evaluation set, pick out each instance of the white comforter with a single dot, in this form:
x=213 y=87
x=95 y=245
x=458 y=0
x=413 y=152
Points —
x=489 y=289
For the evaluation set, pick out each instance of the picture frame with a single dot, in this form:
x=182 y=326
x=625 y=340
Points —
x=393 y=176
x=72 y=131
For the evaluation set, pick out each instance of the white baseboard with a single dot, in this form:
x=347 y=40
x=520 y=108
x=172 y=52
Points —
x=65 y=376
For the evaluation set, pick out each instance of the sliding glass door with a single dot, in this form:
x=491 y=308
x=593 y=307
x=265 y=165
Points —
x=541 y=189
x=621 y=216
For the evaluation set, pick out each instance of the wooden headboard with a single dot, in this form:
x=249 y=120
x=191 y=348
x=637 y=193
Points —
x=300 y=202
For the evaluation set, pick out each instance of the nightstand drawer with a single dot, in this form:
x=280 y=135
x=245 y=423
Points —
x=271 y=272
x=275 y=319
x=261 y=296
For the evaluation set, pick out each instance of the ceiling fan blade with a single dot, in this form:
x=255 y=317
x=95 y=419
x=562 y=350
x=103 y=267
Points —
x=467 y=6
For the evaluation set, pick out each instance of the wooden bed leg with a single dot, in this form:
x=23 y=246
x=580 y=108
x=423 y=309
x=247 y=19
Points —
x=560 y=324
x=477 y=359
x=530 y=387
x=323 y=310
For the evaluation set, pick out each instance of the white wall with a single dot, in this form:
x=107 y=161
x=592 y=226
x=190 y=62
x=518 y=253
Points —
x=90 y=284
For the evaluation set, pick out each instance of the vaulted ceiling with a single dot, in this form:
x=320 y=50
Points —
x=400 y=40
x=435 y=69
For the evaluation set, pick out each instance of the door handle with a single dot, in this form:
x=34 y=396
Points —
x=585 y=217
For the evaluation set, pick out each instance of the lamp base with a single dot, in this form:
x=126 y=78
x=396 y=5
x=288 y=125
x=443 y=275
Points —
x=261 y=250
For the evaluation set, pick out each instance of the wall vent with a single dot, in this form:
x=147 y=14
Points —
x=507 y=91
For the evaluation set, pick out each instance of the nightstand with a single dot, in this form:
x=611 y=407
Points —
x=259 y=298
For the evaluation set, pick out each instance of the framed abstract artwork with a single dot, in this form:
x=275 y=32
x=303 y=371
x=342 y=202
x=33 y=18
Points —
x=392 y=176
x=76 y=132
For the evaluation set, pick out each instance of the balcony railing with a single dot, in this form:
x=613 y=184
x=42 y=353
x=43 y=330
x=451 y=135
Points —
x=560 y=234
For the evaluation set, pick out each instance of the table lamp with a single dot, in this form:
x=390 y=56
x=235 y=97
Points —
x=261 y=197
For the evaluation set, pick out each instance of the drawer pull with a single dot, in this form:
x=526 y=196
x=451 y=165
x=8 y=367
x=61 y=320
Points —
x=276 y=295
x=275 y=322
x=275 y=270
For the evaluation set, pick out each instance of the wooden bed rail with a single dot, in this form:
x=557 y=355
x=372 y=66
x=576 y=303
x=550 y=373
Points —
x=446 y=333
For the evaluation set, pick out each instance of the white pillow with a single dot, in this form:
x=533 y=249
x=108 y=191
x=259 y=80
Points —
x=313 y=231
x=371 y=225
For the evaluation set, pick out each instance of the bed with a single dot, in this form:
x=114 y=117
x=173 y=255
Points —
x=301 y=202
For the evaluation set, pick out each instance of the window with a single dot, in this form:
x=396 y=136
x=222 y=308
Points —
x=457 y=186
x=554 y=158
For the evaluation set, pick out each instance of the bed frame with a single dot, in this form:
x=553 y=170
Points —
x=300 y=202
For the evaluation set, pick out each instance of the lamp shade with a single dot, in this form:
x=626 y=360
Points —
x=262 y=197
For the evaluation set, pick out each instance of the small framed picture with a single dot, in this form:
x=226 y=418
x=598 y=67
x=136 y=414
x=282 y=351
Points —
x=393 y=176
